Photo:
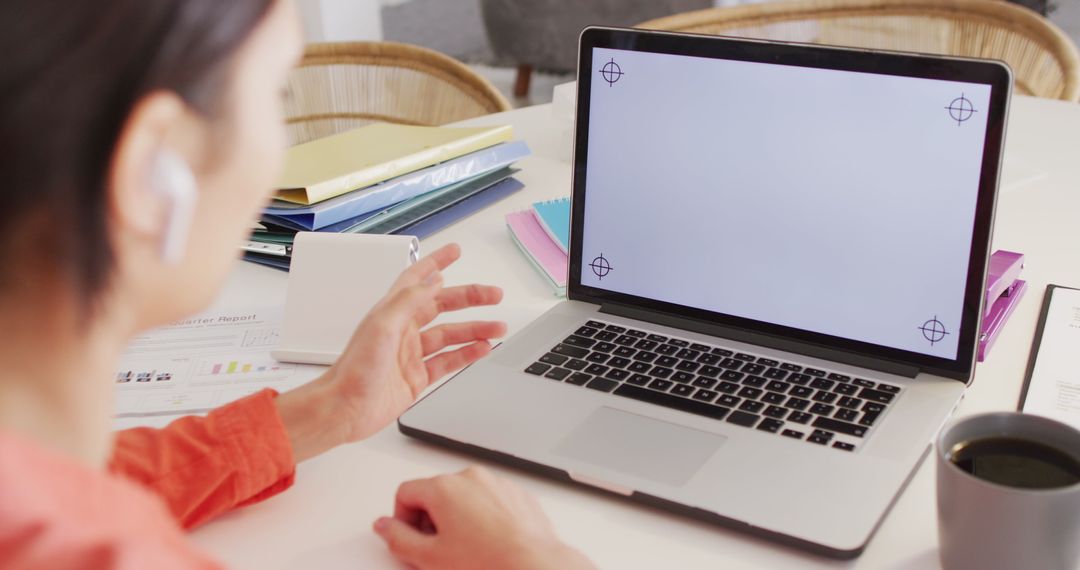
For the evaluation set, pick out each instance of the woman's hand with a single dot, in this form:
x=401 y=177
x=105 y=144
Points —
x=391 y=358
x=473 y=520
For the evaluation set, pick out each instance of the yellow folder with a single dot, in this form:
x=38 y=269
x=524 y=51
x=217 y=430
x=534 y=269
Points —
x=329 y=167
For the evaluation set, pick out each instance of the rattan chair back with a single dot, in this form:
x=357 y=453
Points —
x=1045 y=62
x=341 y=86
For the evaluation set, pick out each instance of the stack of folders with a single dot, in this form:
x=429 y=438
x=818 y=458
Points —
x=542 y=232
x=385 y=179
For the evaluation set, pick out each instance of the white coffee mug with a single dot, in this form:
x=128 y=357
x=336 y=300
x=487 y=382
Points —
x=985 y=525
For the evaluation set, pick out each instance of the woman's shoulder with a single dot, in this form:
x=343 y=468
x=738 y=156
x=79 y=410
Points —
x=58 y=513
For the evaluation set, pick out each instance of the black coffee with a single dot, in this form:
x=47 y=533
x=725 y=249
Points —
x=1016 y=463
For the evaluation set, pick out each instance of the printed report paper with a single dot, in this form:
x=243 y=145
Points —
x=1053 y=390
x=204 y=362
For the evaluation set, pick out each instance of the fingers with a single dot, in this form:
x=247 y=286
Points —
x=420 y=499
x=405 y=542
x=409 y=534
x=430 y=264
x=465 y=296
x=478 y=520
x=401 y=306
x=445 y=255
x=439 y=337
x=457 y=298
x=414 y=498
x=447 y=362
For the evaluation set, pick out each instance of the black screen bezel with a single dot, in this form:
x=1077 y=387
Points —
x=993 y=73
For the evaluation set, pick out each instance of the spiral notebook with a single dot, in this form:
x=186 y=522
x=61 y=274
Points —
x=538 y=247
x=554 y=218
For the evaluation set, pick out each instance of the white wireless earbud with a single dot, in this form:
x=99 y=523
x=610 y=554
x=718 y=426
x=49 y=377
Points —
x=174 y=181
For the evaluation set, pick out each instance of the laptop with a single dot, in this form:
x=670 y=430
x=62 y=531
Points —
x=777 y=259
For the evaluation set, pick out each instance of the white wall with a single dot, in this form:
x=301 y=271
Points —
x=1067 y=16
x=312 y=17
x=342 y=20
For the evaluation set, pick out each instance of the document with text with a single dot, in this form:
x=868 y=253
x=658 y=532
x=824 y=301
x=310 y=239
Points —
x=204 y=362
x=1053 y=386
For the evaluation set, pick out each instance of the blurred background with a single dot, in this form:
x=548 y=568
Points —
x=490 y=35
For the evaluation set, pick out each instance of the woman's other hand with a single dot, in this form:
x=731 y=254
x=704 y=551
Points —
x=391 y=358
x=473 y=519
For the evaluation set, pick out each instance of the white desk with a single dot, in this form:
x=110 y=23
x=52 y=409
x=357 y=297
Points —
x=324 y=521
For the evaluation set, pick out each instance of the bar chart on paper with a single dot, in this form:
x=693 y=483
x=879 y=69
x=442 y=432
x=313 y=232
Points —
x=260 y=338
x=204 y=362
x=224 y=367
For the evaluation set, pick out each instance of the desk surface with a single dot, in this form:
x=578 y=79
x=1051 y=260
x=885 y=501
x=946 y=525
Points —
x=324 y=521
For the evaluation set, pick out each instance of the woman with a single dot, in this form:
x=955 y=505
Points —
x=107 y=114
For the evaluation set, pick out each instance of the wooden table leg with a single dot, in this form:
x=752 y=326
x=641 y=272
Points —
x=521 y=84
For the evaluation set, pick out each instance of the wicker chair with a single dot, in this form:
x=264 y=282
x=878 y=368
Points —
x=1044 y=60
x=341 y=86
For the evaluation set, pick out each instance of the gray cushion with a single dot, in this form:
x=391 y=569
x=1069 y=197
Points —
x=544 y=33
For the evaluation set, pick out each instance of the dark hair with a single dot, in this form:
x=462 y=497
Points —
x=71 y=74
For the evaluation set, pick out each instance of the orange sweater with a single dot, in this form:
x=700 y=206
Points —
x=58 y=513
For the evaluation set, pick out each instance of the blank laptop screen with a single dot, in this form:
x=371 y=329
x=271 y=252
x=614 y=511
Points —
x=829 y=201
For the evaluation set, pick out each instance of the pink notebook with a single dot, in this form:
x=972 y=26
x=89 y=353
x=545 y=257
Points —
x=539 y=248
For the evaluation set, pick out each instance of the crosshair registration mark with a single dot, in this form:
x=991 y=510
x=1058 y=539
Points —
x=611 y=72
x=600 y=266
x=934 y=331
x=961 y=109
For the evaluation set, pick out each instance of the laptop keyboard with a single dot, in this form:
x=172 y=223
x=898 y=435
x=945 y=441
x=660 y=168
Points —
x=809 y=404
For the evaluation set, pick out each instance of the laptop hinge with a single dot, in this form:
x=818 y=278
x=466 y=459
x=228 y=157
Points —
x=742 y=335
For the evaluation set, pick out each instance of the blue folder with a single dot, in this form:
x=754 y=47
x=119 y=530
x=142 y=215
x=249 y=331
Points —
x=428 y=225
x=379 y=196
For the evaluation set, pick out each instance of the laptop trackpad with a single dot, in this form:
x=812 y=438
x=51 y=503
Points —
x=640 y=446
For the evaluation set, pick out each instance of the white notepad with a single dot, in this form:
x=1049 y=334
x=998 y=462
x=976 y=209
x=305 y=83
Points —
x=1052 y=388
x=334 y=280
